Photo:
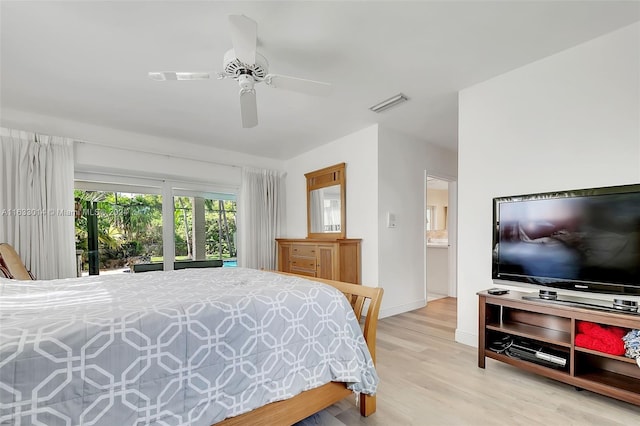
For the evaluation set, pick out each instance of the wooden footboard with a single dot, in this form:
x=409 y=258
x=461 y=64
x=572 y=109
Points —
x=307 y=403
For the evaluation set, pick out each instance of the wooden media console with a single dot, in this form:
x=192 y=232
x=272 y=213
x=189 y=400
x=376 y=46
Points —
x=553 y=326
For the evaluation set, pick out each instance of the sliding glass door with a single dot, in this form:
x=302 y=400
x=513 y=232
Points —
x=205 y=228
x=115 y=230
x=119 y=227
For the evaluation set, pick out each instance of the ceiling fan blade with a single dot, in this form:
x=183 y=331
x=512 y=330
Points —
x=244 y=38
x=248 y=108
x=301 y=85
x=178 y=75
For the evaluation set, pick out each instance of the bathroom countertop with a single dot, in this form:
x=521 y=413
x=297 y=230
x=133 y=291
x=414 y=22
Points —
x=438 y=245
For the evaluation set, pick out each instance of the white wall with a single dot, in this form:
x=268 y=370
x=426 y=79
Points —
x=571 y=120
x=107 y=150
x=385 y=172
x=402 y=161
x=359 y=151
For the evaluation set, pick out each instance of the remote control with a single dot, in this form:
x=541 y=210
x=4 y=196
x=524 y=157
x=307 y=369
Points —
x=497 y=291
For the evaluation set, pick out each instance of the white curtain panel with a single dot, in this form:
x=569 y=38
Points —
x=260 y=217
x=36 y=201
x=333 y=215
x=317 y=210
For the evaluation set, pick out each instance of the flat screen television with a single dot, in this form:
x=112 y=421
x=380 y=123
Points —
x=585 y=240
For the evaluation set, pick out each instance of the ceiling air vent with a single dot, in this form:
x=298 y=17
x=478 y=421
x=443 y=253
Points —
x=388 y=103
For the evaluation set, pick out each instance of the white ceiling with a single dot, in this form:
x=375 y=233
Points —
x=88 y=62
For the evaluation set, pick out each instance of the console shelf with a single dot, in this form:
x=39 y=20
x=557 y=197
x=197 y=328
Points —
x=556 y=337
x=617 y=382
x=554 y=326
x=596 y=353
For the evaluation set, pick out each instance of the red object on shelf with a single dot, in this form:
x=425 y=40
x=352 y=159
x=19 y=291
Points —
x=607 y=339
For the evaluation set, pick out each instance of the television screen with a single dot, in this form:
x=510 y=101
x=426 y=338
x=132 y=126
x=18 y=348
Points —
x=580 y=240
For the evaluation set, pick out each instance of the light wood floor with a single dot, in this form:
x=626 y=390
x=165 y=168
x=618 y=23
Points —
x=429 y=379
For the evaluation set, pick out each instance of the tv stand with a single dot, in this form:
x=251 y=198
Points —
x=548 y=295
x=618 y=305
x=552 y=324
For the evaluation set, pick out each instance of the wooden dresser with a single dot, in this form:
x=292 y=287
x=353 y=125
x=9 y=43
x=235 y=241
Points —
x=337 y=259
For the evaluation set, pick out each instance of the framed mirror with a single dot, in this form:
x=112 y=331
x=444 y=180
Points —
x=326 y=202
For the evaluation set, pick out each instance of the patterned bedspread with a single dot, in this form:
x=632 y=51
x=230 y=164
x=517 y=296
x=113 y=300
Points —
x=188 y=347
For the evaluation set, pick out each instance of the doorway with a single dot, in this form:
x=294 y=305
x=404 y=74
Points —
x=440 y=237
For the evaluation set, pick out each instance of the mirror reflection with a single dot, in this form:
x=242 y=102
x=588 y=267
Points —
x=324 y=209
x=326 y=202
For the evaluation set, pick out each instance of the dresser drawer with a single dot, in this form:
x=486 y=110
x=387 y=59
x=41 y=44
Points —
x=334 y=259
x=304 y=272
x=303 y=250
x=303 y=263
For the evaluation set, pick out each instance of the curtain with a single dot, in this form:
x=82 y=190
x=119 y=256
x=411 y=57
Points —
x=36 y=201
x=333 y=216
x=260 y=217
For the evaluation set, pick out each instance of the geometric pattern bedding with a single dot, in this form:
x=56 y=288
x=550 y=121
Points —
x=187 y=347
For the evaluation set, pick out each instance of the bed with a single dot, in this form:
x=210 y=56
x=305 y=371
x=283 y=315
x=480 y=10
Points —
x=190 y=347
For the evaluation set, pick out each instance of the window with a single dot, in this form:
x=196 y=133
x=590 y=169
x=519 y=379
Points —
x=431 y=217
x=120 y=225
x=205 y=228
x=115 y=230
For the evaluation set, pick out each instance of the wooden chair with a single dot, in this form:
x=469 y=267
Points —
x=11 y=266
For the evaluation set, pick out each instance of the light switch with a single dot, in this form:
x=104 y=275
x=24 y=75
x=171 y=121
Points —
x=391 y=220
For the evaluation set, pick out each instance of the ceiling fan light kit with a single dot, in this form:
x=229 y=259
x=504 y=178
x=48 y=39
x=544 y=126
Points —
x=389 y=103
x=233 y=67
x=248 y=67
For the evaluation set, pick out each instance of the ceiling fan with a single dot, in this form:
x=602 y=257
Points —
x=245 y=65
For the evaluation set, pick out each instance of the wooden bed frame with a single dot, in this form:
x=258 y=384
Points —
x=303 y=405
